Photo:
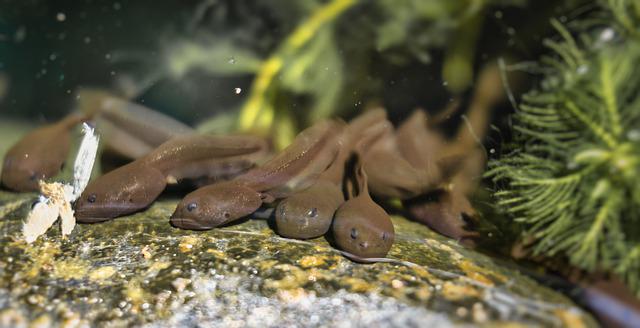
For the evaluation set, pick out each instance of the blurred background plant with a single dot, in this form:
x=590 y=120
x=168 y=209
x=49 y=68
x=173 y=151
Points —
x=269 y=67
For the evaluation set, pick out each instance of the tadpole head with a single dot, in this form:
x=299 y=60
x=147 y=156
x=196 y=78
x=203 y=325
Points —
x=123 y=191
x=39 y=155
x=448 y=213
x=215 y=205
x=22 y=173
x=363 y=228
x=309 y=213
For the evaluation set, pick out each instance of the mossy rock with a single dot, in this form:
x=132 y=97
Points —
x=140 y=270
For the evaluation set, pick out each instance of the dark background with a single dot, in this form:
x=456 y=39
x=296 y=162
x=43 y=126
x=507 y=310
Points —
x=49 y=48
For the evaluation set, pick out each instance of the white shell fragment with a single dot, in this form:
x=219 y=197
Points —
x=56 y=197
x=85 y=159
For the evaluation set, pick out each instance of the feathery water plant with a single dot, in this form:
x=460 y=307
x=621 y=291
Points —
x=572 y=178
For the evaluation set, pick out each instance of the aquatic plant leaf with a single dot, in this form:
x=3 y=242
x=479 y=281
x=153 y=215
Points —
x=217 y=57
x=571 y=177
x=316 y=71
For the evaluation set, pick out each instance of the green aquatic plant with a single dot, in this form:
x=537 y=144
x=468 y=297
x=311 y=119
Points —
x=312 y=59
x=572 y=178
x=294 y=66
x=311 y=62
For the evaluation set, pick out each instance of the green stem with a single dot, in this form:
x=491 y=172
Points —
x=609 y=95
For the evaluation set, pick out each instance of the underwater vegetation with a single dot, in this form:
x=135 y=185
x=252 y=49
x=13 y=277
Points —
x=311 y=63
x=571 y=178
x=323 y=60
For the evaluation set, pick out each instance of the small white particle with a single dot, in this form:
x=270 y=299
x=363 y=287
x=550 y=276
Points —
x=238 y=90
x=231 y=60
x=87 y=39
x=61 y=17
x=607 y=34
x=582 y=69
x=21 y=34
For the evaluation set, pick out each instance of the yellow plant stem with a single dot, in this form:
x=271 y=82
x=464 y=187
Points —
x=250 y=113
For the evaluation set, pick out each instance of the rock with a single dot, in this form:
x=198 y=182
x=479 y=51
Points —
x=138 y=270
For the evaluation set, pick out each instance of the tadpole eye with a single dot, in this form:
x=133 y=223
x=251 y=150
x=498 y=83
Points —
x=191 y=207
x=312 y=213
x=92 y=198
x=33 y=176
x=385 y=236
x=226 y=215
x=354 y=233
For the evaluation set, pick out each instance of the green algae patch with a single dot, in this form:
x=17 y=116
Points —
x=70 y=269
x=102 y=273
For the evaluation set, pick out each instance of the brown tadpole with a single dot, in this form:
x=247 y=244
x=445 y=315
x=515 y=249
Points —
x=194 y=156
x=453 y=168
x=133 y=187
x=215 y=205
x=128 y=129
x=125 y=190
x=295 y=168
x=360 y=226
x=39 y=155
x=447 y=212
x=389 y=174
x=428 y=151
x=308 y=213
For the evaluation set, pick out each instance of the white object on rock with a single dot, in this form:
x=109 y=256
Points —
x=56 y=197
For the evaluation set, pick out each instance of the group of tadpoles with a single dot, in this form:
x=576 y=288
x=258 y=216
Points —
x=321 y=184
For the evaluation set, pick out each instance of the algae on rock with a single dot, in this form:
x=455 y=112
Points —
x=139 y=270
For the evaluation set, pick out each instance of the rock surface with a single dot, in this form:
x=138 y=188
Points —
x=140 y=271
